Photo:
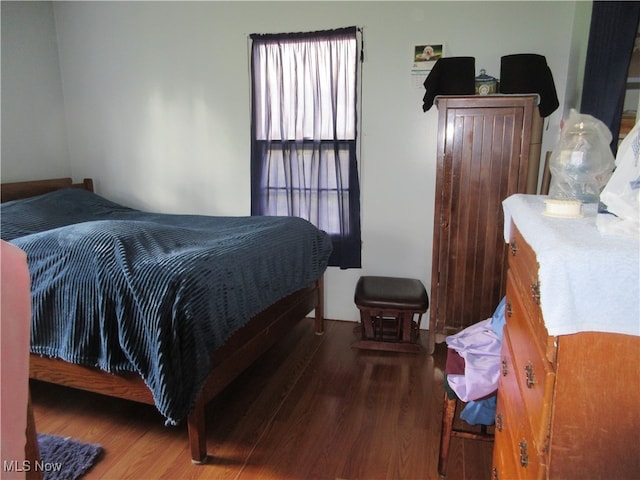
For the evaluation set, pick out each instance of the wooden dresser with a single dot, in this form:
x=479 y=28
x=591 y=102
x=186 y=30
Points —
x=568 y=405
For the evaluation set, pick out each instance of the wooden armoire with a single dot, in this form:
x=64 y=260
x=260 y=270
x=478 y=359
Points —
x=488 y=149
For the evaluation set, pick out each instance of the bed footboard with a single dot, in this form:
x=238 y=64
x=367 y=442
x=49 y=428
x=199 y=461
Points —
x=240 y=351
x=244 y=347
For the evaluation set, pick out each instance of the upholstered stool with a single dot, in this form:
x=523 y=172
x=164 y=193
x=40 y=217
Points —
x=390 y=313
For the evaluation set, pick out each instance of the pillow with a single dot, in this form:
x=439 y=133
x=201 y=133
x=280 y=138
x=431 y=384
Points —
x=53 y=210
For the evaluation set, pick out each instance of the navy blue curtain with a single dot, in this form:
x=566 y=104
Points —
x=304 y=90
x=611 y=37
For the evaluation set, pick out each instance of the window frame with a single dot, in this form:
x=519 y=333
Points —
x=346 y=242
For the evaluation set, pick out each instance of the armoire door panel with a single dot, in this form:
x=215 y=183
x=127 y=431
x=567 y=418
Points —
x=482 y=159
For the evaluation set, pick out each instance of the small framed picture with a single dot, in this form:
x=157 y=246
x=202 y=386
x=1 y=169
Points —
x=425 y=56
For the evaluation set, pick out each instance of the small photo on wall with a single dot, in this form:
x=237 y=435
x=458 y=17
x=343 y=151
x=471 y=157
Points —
x=425 y=56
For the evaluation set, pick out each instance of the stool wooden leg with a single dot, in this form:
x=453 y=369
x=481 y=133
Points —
x=448 y=414
x=366 y=320
x=406 y=320
x=378 y=326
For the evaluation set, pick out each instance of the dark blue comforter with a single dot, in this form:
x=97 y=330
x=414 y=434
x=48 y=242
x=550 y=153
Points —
x=155 y=294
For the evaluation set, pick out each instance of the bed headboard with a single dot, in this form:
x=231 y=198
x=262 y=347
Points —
x=16 y=190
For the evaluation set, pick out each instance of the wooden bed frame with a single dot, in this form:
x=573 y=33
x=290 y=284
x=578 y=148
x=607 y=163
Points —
x=239 y=352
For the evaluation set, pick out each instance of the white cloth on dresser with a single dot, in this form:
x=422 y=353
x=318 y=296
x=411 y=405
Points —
x=588 y=281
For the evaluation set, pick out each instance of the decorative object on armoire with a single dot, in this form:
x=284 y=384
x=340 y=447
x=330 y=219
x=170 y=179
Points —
x=486 y=148
x=567 y=398
x=581 y=162
x=485 y=84
x=391 y=309
x=450 y=76
x=529 y=73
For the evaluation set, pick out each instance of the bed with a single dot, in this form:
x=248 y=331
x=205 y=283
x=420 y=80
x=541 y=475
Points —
x=157 y=308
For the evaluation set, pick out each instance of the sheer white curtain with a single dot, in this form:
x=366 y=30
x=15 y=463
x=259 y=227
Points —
x=304 y=129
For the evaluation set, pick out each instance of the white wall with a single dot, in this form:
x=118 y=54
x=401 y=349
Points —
x=34 y=141
x=158 y=112
x=577 y=56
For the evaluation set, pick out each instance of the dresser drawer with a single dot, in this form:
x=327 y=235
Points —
x=509 y=414
x=534 y=373
x=505 y=462
x=523 y=259
x=515 y=455
x=524 y=267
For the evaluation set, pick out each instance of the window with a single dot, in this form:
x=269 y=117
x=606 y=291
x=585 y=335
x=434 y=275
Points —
x=304 y=132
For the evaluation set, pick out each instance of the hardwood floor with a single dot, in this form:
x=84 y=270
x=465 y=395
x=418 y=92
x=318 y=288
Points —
x=311 y=408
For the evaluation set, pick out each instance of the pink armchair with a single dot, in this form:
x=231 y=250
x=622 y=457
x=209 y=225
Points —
x=19 y=443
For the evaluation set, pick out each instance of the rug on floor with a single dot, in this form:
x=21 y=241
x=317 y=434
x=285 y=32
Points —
x=65 y=458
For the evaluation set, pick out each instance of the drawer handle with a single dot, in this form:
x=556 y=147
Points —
x=513 y=247
x=509 y=309
x=524 y=456
x=531 y=377
x=504 y=368
x=535 y=293
x=499 y=422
